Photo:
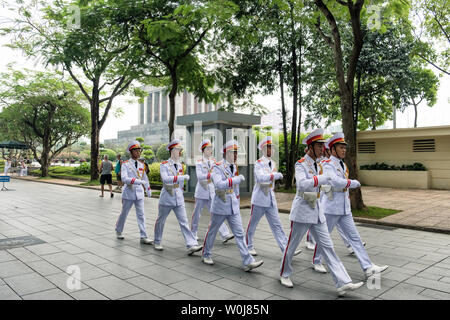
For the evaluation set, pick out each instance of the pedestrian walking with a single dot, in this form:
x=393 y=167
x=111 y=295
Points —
x=106 y=175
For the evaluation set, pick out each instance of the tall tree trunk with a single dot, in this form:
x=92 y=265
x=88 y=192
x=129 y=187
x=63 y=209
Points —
x=284 y=115
x=95 y=131
x=346 y=83
x=292 y=151
x=300 y=97
x=172 y=95
x=415 y=114
x=357 y=104
x=44 y=160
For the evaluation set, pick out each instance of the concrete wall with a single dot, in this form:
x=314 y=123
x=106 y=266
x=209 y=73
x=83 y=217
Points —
x=397 y=149
x=395 y=179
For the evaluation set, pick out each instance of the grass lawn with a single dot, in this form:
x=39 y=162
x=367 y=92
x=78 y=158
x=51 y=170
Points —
x=374 y=212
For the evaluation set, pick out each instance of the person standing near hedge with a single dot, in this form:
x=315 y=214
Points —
x=105 y=175
x=117 y=171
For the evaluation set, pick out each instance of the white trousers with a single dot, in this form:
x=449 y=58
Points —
x=310 y=238
x=126 y=206
x=180 y=212
x=347 y=225
x=320 y=233
x=273 y=219
x=235 y=223
x=199 y=204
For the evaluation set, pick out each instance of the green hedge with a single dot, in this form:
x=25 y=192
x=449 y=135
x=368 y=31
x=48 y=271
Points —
x=383 y=166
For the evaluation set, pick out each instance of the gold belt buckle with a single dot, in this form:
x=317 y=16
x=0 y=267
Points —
x=271 y=186
x=209 y=180
x=344 y=190
x=176 y=185
x=230 y=191
x=318 y=195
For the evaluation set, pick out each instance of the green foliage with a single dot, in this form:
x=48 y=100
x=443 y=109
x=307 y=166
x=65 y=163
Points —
x=84 y=168
x=162 y=154
x=374 y=212
x=154 y=174
x=148 y=154
x=140 y=140
x=43 y=110
x=111 y=154
x=416 y=166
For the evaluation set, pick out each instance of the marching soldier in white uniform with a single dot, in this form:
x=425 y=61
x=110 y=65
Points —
x=310 y=242
x=172 y=198
x=306 y=212
x=204 y=190
x=263 y=198
x=336 y=204
x=225 y=206
x=135 y=180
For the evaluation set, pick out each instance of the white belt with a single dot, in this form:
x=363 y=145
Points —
x=169 y=187
x=310 y=197
x=223 y=192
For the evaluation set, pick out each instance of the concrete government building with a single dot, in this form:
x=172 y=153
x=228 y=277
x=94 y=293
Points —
x=154 y=114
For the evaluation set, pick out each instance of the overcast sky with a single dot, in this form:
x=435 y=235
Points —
x=438 y=115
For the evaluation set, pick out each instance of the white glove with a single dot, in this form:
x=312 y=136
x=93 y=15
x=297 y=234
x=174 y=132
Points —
x=358 y=184
x=278 y=175
x=185 y=177
x=238 y=179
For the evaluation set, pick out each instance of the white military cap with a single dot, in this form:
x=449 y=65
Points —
x=205 y=143
x=175 y=143
x=265 y=142
x=337 y=138
x=315 y=136
x=133 y=145
x=230 y=145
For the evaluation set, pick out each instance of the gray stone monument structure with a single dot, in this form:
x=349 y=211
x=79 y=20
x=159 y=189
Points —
x=219 y=127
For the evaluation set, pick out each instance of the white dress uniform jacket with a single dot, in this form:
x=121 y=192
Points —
x=173 y=178
x=307 y=180
x=204 y=188
x=339 y=202
x=263 y=194
x=225 y=182
x=133 y=179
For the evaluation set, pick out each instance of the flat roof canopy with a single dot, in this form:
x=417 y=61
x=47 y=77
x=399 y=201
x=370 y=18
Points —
x=212 y=117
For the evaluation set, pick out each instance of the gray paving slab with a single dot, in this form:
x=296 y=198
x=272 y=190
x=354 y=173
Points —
x=24 y=255
x=118 y=270
x=53 y=294
x=202 y=290
x=66 y=283
x=88 y=294
x=113 y=287
x=13 y=268
x=6 y=293
x=83 y=235
x=29 y=283
x=154 y=287
x=141 y=296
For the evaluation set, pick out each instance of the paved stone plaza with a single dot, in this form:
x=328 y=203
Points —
x=75 y=229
